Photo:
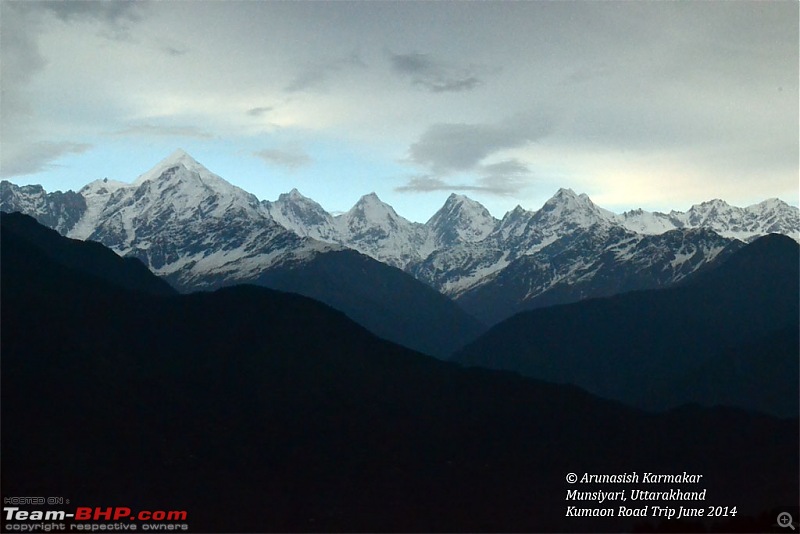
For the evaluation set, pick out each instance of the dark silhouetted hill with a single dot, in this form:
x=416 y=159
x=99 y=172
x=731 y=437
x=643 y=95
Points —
x=85 y=256
x=724 y=337
x=261 y=411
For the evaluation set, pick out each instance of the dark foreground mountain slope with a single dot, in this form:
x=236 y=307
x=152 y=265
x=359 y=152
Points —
x=85 y=256
x=760 y=374
x=647 y=348
x=387 y=301
x=263 y=411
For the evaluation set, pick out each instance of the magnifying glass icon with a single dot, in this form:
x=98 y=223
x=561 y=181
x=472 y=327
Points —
x=785 y=520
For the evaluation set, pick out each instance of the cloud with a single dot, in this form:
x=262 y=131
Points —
x=115 y=12
x=259 y=112
x=504 y=178
x=30 y=158
x=20 y=52
x=428 y=184
x=115 y=17
x=316 y=76
x=173 y=51
x=424 y=184
x=21 y=59
x=467 y=149
x=451 y=147
x=157 y=130
x=32 y=141
x=291 y=158
x=707 y=89
x=434 y=76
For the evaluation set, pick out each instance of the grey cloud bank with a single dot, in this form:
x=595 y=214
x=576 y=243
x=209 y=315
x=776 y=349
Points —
x=291 y=158
x=446 y=148
x=434 y=76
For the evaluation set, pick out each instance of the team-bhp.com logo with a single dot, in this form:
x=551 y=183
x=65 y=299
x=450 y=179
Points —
x=97 y=514
x=85 y=513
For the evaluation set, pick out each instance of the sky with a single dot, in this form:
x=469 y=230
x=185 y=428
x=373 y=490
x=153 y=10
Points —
x=654 y=105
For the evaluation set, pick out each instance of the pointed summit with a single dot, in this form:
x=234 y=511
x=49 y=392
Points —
x=179 y=154
x=711 y=211
x=462 y=201
x=370 y=198
x=570 y=210
x=515 y=215
x=455 y=198
x=770 y=203
x=514 y=223
x=302 y=215
x=461 y=219
x=179 y=186
x=370 y=207
x=566 y=192
x=567 y=199
x=177 y=159
x=373 y=227
x=516 y=212
x=293 y=196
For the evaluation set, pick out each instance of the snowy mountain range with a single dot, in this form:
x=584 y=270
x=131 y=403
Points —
x=198 y=231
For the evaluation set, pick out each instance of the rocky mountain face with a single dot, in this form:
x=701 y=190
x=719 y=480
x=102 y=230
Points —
x=599 y=261
x=190 y=226
x=197 y=230
x=60 y=211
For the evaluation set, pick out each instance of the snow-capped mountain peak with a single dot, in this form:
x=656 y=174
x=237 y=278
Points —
x=179 y=158
x=177 y=192
x=771 y=215
x=568 y=208
x=514 y=223
x=296 y=197
x=294 y=194
x=716 y=208
x=303 y=216
x=463 y=203
x=371 y=199
x=768 y=205
x=373 y=227
x=186 y=222
x=460 y=220
x=644 y=222
x=566 y=198
x=371 y=209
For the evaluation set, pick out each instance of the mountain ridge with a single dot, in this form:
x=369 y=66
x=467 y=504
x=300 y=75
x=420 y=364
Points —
x=696 y=215
x=462 y=251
